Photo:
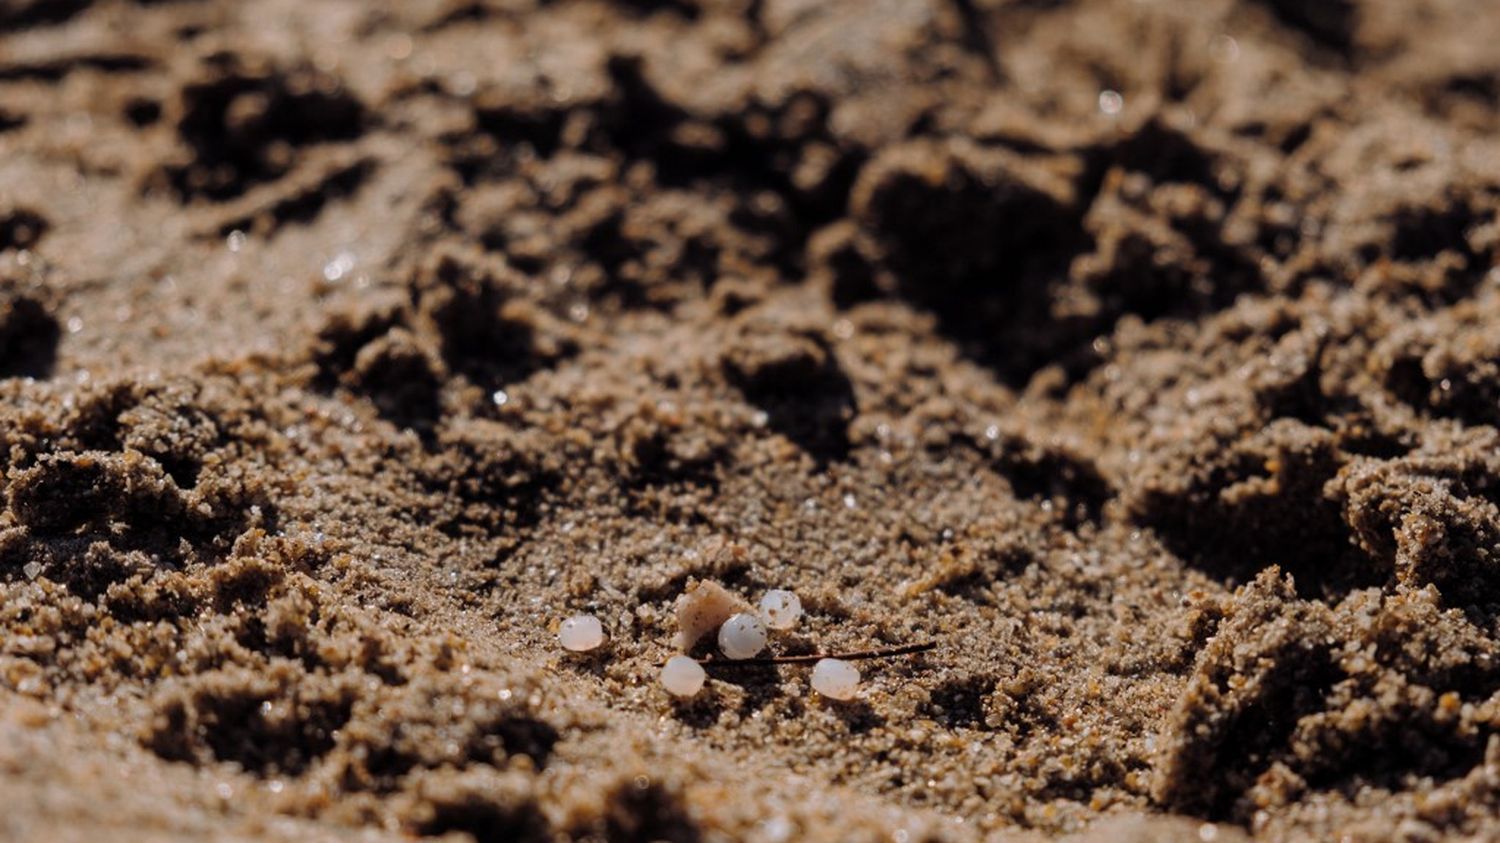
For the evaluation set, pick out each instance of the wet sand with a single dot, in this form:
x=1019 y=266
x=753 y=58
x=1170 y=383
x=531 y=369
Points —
x=1143 y=356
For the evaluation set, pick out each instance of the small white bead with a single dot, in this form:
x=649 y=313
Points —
x=742 y=636
x=581 y=633
x=835 y=679
x=780 y=608
x=682 y=676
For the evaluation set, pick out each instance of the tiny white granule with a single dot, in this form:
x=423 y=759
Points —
x=742 y=636
x=682 y=676
x=780 y=608
x=777 y=830
x=835 y=679
x=341 y=265
x=581 y=633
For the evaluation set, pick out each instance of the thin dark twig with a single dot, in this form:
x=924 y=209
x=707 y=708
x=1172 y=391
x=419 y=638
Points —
x=809 y=658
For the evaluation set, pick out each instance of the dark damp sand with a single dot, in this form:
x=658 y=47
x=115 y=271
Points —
x=350 y=347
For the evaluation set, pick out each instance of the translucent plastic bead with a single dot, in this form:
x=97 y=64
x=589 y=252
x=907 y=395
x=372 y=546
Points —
x=835 y=679
x=780 y=608
x=742 y=636
x=581 y=633
x=682 y=676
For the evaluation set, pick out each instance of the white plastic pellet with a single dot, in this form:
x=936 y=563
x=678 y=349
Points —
x=780 y=608
x=682 y=676
x=835 y=679
x=581 y=633
x=742 y=636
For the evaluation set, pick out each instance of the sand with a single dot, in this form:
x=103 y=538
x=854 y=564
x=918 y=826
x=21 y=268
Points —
x=1143 y=356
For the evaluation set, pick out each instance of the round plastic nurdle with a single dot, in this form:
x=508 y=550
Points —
x=742 y=636
x=780 y=608
x=835 y=679
x=581 y=633
x=682 y=676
